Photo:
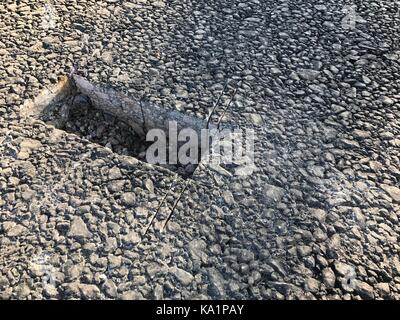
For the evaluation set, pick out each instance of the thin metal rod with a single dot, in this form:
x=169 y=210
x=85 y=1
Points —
x=159 y=206
x=175 y=205
x=228 y=105
x=216 y=103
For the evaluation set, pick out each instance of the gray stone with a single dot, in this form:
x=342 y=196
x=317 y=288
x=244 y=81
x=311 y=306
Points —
x=216 y=286
x=132 y=295
x=363 y=289
x=115 y=173
x=89 y=291
x=392 y=191
x=79 y=229
x=3 y=282
x=129 y=199
x=50 y=291
x=387 y=101
x=14 y=230
x=342 y=269
x=311 y=285
x=273 y=193
x=383 y=289
x=328 y=277
x=131 y=238
x=110 y=288
x=184 y=277
x=308 y=74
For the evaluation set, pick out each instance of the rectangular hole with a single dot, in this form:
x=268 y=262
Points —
x=73 y=111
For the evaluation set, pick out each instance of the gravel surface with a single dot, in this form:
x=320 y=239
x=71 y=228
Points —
x=318 y=219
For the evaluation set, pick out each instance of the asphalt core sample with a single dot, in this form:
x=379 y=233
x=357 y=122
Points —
x=108 y=118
